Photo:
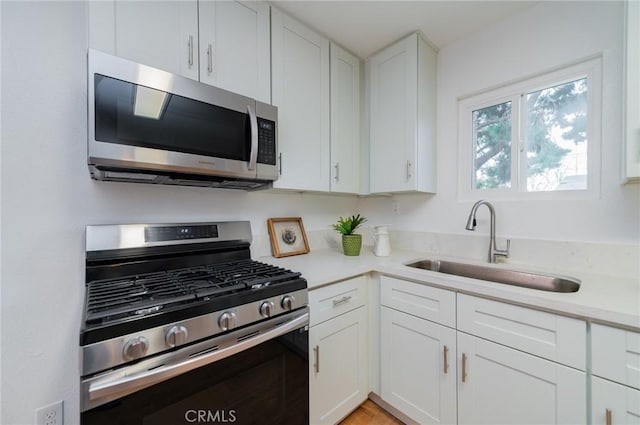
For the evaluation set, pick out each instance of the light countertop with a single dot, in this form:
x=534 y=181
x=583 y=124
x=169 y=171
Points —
x=602 y=299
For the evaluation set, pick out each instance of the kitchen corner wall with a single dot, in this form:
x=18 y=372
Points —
x=48 y=198
x=541 y=38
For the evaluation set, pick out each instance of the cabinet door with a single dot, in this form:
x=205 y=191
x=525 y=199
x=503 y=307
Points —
x=614 y=403
x=393 y=120
x=234 y=47
x=300 y=83
x=632 y=92
x=418 y=367
x=338 y=370
x=162 y=34
x=345 y=121
x=500 y=385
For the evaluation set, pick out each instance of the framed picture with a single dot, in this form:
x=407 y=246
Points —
x=287 y=236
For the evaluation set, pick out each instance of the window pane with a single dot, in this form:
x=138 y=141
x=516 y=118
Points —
x=492 y=145
x=557 y=137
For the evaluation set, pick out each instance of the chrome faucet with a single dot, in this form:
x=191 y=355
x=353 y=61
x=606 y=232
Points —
x=494 y=252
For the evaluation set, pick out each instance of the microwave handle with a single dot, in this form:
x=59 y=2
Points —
x=253 y=156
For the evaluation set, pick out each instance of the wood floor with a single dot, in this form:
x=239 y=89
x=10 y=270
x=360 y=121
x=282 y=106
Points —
x=370 y=413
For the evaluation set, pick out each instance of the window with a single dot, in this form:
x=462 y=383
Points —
x=537 y=138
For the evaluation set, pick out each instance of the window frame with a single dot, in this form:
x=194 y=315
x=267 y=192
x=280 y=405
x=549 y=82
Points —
x=515 y=92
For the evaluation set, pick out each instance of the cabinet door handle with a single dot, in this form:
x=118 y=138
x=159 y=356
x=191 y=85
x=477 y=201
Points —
x=446 y=360
x=408 y=170
x=342 y=300
x=609 y=416
x=210 y=58
x=190 y=44
x=280 y=163
x=316 y=365
x=464 y=367
x=337 y=167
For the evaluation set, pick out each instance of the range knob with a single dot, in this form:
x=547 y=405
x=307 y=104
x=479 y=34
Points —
x=227 y=320
x=177 y=335
x=135 y=348
x=266 y=308
x=287 y=302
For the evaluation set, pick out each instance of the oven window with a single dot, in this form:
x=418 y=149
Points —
x=134 y=115
x=267 y=384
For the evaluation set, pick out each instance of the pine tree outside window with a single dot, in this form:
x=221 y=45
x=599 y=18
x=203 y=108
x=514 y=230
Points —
x=535 y=139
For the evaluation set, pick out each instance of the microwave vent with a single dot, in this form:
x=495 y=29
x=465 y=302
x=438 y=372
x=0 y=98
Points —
x=176 y=179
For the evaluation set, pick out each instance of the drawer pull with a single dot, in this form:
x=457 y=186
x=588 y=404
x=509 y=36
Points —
x=316 y=365
x=342 y=300
x=608 y=415
x=464 y=367
x=446 y=362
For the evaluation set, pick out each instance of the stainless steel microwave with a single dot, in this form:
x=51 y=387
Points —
x=150 y=126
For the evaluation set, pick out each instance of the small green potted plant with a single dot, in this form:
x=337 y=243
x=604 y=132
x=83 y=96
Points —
x=351 y=242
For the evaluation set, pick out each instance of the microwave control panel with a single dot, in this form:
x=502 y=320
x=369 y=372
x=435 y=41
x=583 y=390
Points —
x=266 y=142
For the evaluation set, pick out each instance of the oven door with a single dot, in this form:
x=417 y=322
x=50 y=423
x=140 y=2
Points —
x=255 y=375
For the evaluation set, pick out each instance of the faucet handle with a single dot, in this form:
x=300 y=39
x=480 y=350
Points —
x=504 y=252
x=501 y=252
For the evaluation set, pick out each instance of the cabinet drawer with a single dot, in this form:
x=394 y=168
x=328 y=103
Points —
x=437 y=305
x=557 y=338
x=616 y=354
x=333 y=300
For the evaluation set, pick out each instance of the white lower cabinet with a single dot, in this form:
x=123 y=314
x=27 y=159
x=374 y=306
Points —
x=500 y=385
x=437 y=374
x=418 y=370
x=613 y=403
x=339 y=368
x=615 y=381
x=338 y=350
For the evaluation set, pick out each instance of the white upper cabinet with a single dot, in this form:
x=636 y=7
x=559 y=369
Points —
x=162 y=34
x=225 y=44
x=300 y=84
x=235 y=52
x=345 y=121
x=402 y=117
x=632 y=93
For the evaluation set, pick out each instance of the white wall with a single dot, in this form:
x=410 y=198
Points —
x=538 y=39
x=48 y=199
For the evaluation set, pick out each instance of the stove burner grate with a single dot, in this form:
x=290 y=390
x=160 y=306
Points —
x=143 y=294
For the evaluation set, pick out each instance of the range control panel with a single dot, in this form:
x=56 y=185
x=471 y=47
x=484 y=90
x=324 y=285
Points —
x=172 y=233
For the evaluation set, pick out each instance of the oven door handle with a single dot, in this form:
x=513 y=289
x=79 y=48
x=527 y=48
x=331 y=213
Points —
x=134 y=382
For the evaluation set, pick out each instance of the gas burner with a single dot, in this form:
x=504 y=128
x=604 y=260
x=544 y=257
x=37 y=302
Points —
x=112 y=300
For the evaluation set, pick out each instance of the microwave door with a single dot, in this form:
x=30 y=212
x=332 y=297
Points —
x=147 y=128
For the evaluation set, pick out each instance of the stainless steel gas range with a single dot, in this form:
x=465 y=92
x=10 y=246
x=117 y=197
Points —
x=181 y=326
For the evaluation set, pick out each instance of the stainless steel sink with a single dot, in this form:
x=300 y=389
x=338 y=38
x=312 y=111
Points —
x=510 y=277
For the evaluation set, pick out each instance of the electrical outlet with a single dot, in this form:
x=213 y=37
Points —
x=50 y=415
x=395 y=206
